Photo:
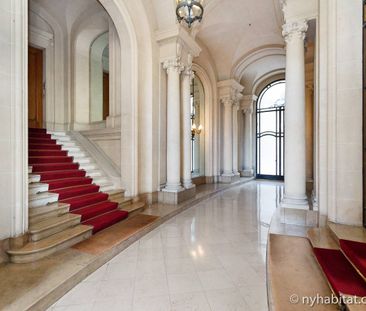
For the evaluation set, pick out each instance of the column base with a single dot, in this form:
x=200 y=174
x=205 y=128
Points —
x=167 y=196
x=295 y=202
x=247 y=173
x=188 y=184
x=298 y=217
x=229 y=178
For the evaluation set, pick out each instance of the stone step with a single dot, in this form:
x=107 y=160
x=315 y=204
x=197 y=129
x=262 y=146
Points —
x=100 y=180
x=41 y=199
x=53 y=225
x=88 y=166
x=106 y=187
x=116 y=193
x=37 y=187
x=322 y=238
x=76 y=154
x=122 y=201
x=34 y=178
x=68 y=144
x=84 y=160
x=37 y=214
x=33 y=251
x=57 y=133
x=134 y=208
x=344 y=232
x=72 y=149
x=61 y=138
x=94 y=173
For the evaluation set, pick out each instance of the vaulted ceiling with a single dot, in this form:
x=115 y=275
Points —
x=232 y=29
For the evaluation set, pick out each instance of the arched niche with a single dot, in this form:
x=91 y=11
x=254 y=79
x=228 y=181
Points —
x=85 y=97
x=209 y=121
x=98 y=64
x=198 y=121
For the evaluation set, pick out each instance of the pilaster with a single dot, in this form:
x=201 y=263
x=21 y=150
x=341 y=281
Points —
x=247 y=107
x=230 y=95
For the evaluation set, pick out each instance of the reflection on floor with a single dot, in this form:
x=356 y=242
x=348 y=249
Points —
x=210 y=257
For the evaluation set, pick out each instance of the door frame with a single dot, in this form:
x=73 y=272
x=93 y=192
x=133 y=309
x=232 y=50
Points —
x=39 y=72
x=279 y=135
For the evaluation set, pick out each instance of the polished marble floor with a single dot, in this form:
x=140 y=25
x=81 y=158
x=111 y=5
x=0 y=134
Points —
x=210 y=257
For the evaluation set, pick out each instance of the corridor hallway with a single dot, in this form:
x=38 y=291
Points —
x=210 y=257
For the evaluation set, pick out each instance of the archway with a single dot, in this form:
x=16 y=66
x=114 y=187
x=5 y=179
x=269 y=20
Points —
x=198 y=125
x=270 y=131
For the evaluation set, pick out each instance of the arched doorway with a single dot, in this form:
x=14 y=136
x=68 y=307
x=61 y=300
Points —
x=270 y=131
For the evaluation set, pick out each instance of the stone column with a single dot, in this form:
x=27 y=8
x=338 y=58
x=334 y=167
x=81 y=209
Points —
x=173 y=68
x=235 y=140
x=247 y=107
x=295 y=143
x=227 y=138
x=186 y=127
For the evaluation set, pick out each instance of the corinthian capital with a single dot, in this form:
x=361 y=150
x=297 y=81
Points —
x=226 y=101
x=173 y=65
x=296 y=29
x=247 y=103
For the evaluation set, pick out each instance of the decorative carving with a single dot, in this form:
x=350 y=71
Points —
x=227 y=101
x=247 y=104
x=188 y=69
x=173 y=65
x=296 y=29
x=283 y=5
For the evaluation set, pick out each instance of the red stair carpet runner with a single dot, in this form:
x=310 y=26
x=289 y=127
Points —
x=64 y=177
x=344 y=268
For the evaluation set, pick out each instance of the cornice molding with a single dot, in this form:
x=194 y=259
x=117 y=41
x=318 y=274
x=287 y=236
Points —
x=178 y=33
x=230 y=90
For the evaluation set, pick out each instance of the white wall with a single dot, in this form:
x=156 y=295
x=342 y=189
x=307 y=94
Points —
x=339 y=111
x=13 y=118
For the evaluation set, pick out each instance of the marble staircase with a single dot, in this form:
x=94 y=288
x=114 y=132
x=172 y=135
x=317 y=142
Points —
x=337 y=249
x=55 y=224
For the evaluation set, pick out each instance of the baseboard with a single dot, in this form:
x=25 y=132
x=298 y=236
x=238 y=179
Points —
x=4 y=246
x=149 y=198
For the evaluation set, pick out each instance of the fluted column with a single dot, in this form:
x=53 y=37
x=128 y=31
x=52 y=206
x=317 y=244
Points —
x=248 y=170
x=228 y=138
x=235 y=139
x=173 y=68
x=295 y=143
x=186 y=127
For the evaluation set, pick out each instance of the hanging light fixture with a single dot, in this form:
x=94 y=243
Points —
x=189 y=11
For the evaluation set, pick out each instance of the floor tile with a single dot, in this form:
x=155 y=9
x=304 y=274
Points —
x=158 y=303
x=227 y=299
x=215 y=279
x=184 y=283
x=189 y=301
x=210 y=257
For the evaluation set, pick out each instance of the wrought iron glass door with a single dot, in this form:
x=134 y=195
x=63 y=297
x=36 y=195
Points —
x=270 y=131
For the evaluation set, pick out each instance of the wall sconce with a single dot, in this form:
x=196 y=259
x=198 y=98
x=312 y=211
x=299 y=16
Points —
x=196 y=131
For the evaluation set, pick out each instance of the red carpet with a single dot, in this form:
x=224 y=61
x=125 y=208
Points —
x=56 y=175
x=71 y=183
x=356 y=253
x=49 y=159
x=68 y=182
x=341 y=275
x=47 y=153
x=106 y=220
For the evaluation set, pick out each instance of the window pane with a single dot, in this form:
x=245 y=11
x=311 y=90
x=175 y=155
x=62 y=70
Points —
x=268 y=155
